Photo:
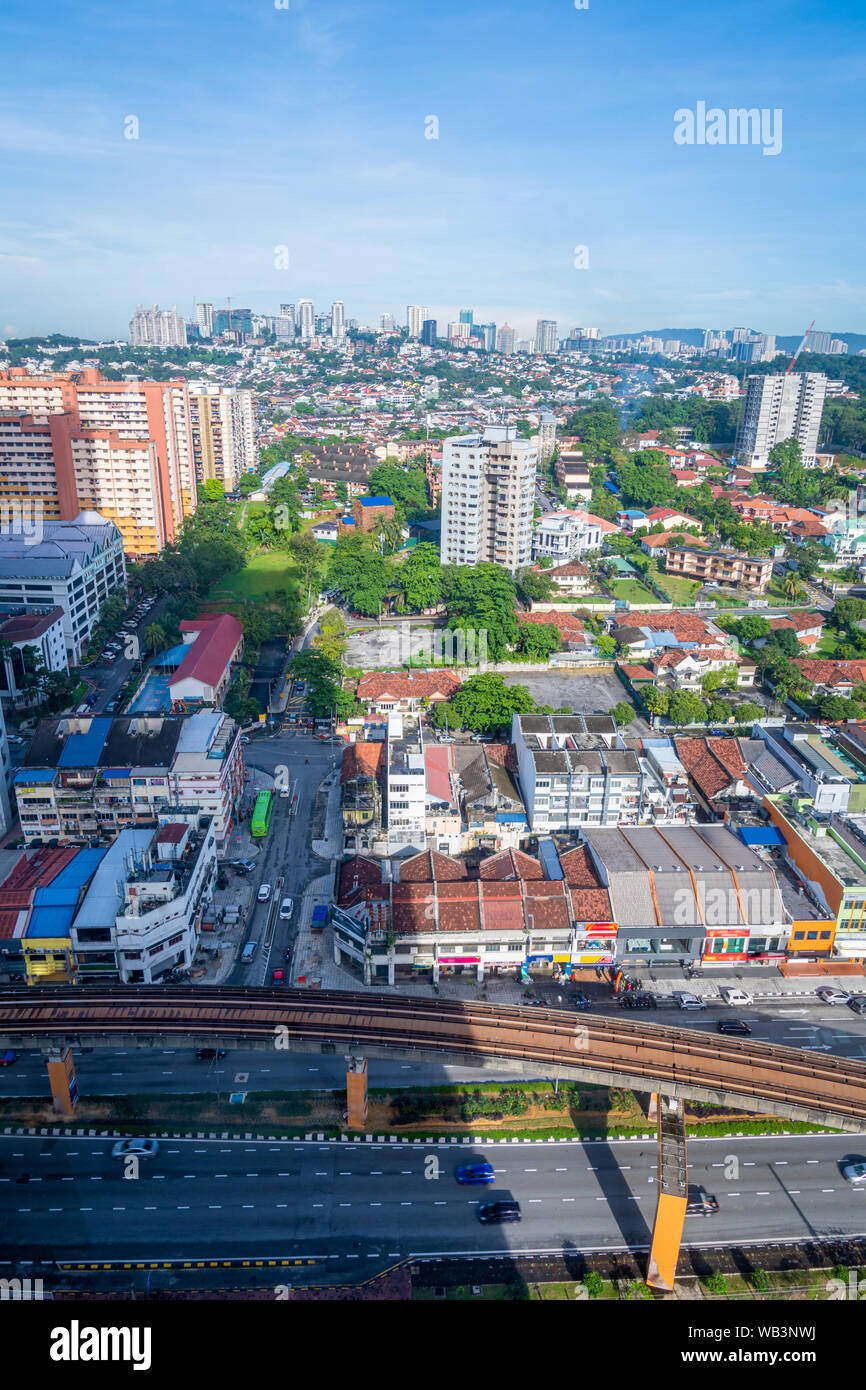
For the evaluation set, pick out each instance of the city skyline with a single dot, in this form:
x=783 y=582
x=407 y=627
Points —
x=355 y=119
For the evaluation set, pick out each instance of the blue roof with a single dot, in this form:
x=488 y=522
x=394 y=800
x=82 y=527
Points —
x=83 y=750
x=549 y=860
x=376 y=502
x=510 y=817
x=66 y=887
x=173 y=657
x=50 y=921
x=760 y=835
x=117 y=772
x=34 y=774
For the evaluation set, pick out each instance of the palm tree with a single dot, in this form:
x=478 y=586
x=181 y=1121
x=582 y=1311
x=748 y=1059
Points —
x=155 y=637
x=793 y=588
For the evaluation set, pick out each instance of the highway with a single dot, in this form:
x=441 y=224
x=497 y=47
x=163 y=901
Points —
x=368 y=1204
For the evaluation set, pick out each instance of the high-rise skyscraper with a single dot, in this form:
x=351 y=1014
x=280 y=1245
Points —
x=428 y=332
x=306 y=320
x=465 y=316
x=204 y=319
x=157 y=327
x=505 y=340
x=284 y=325
x=415 y=316
x=489 y=334
x=778 y=408
x=819 y=342
x=387 y=323
x=488 y=486
x=545 y=336
x=338 y=320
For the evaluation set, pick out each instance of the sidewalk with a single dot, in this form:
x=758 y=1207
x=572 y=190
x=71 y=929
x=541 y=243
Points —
x=331 y=847
x=762 y=982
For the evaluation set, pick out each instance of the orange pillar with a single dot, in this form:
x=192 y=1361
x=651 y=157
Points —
x=356 y=1092
x=672 y=1195
x=62 y=1080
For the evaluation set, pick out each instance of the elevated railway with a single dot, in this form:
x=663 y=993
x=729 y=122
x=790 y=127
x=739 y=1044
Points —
x=681 y=1063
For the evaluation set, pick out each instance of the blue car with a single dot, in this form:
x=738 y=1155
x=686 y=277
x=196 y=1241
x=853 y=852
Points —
x=476 y=1172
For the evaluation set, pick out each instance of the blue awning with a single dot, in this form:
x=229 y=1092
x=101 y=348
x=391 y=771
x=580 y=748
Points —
x=122 y=772
x=34 y=774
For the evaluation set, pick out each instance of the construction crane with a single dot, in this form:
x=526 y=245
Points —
x=803 y=342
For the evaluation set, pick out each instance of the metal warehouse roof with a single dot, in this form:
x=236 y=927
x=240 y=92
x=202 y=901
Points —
x=65 y=888
x=760 y=835
x=49 y=921
x=36 y=774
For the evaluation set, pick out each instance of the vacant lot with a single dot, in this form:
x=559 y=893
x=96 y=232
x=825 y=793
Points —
x=634 y=592
x=272 y=572
x=583 y=694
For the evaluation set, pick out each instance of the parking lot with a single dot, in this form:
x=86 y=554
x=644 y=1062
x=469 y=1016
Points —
x=581 y=693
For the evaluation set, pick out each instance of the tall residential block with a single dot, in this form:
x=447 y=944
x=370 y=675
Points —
x=306 y=320
x=545 y=336
x=81 y=443
x=428 y=332
x=505 y=340
x=488 y=486
x=157 y=328
x=777 y=408
x=415 y=316
x=338 y=320
x=223 y=422
x=204 y=319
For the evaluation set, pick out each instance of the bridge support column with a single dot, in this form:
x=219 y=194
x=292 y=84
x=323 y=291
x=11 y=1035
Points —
x=62 y=1080
x=672 y=1195
x=356 y=1092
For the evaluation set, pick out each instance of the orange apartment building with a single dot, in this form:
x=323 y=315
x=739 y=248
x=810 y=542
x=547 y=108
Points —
x=720 y=567
x=81 y=443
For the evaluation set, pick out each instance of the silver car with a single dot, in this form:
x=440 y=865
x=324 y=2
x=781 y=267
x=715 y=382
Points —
x=854 y=1172
x=135 y=1148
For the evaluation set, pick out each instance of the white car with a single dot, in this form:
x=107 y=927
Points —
x=735 y=997
x=285 y=792
x=854 y=1172
x=688 y=1001
x=264 y=892
x=829 y=994
x=286 y=909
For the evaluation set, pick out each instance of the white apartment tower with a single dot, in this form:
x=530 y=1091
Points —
x=157 y=328
x=204 y=319
x=545 y=336
x=488 y=484
x=780 y=407
x=415 y=316
x=338 y=320
x=223 y=432
x=306 y=320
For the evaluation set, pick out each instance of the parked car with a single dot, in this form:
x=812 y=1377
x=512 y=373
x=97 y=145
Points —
x=685 y=1000
x=498 y=1211
x=264 y=892
x=733 y=1025
x=854 y=1172
x=475 y=1173
x=736 y=997
x=829 y=994
x=209 y=1054
x=286 y=909
x=285 y=792
x=857 y=1003
x=139 y=1148
x=278 y=976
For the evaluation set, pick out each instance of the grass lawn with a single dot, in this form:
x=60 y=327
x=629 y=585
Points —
x=827 y=647
x=272 y=570
x=634 y=592
x=678 y=590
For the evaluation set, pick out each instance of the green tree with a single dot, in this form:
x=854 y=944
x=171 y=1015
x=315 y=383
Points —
x=420 y=579
x=155 y=637
x=536 y=587
x=787 y=459
x=214 y=490
x=657 y=701
x=483 y=703
x=623 y=713
x=719 y=711
x=538 y=640
x=748 y=712
x=686 y=708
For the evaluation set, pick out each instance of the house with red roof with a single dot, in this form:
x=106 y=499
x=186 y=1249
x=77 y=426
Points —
x=216 y=642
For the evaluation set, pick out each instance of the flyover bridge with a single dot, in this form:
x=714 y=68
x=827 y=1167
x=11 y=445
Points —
x=681 y=1063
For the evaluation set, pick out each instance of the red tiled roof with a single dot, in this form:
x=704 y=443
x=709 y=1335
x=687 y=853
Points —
x=358 y=873
x=591 y=905
x=831 y=672
x=712 y=770
x=362 y=760
x=18 y=888
x=579 y=870
x=406 y=685
x=686 y=627
x=566 y=624
x=510 y=864
x=219 y=635
x=28 y=626
x=505 y=754
x=800 y=622
x=432 y=867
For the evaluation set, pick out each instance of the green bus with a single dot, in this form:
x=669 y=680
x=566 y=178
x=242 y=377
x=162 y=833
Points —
x=262 y=813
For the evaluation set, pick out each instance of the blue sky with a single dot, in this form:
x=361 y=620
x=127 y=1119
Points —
x=305 y=127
